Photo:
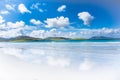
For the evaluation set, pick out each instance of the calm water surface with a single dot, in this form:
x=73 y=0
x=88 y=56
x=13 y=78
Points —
x=92 y=57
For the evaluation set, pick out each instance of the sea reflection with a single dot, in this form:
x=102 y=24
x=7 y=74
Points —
x=82 y=56
x=60 y=61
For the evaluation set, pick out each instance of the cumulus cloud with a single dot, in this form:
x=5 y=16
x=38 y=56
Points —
x=100 y=32
x=10 y=7
x=86 y=17
x=2 y=26
x=10 y=29
x=61 y=8
x=35 y=22
x=23 y=9
x=52 y=33
x=37 y=33
x=1 y=20
x=20 y=28
x=11 y=33
x=59 y=22
x=16 y=24
x=46 y=33
x=79 y=33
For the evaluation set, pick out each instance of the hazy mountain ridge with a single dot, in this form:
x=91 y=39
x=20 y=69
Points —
x=103 y=38
x=50 y=39
x=32 y=39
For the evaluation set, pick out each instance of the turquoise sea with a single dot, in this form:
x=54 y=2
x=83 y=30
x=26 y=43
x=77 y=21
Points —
x=96 y=60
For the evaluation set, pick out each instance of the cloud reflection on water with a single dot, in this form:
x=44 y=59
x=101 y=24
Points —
x=73 y=61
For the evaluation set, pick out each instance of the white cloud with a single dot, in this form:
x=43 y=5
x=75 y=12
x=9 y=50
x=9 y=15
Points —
x=22 y=8
x=1 y=20
x=43 y=33
x=37 y=33
x=10 y=33
x=79 y=33
x=10 y=29
x=41 y=10
x=100 y=32
x=37 y=7
x=35 y=22
x=53 y=30
x=52 y=33
x=4 y=12
x=61 y=8
x=17 y=24
x=59 y=22
x=10 y=7
x=86 y=17
x=2 y=26
x=20 y=28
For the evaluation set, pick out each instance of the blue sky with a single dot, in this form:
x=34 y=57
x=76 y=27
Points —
x=66 y=17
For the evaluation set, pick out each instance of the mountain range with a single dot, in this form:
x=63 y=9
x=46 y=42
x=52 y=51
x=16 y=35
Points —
x=50 y=39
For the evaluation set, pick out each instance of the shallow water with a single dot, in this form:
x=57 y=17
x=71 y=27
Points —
x=80 y=60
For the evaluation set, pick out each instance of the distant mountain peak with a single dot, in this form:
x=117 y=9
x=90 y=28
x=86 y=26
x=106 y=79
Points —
x=101 y=37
